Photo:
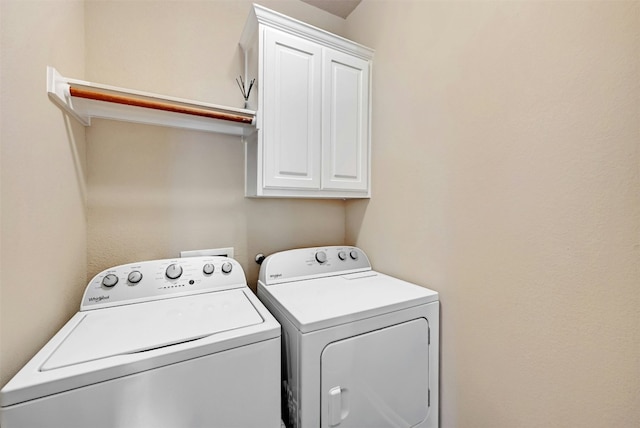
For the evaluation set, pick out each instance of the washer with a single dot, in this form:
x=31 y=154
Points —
x=164 y=343
x=360 y=348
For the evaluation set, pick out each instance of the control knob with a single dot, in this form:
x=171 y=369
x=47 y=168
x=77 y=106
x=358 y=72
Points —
x=354 y=254
x=135 y=277
x=321 y=257
x=208 y=269
x=109 y=280
x=174 y=271
x=227 y=267
x=342 y=255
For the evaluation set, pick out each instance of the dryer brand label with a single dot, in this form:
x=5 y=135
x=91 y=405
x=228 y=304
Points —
x=275 y=275
x=98 y=299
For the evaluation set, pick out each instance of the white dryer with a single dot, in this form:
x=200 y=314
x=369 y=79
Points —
x=360 y=348
x=165 y=343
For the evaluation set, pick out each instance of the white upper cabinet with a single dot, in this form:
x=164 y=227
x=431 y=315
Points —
x=312 y=96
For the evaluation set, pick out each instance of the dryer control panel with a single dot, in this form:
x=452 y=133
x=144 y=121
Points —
x=307 y=263
x=161 y=279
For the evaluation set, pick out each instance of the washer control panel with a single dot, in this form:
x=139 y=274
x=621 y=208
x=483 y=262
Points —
x=161 y=279
x=306 y=263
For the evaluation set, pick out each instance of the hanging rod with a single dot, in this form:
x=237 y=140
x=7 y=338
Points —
x=86 y=100
x=100 y=95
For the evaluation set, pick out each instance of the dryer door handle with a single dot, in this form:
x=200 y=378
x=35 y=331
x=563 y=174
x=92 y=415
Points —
x=338 y=405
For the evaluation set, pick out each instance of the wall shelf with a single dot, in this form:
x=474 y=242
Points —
x=85 y=100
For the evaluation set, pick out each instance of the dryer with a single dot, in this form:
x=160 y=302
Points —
x=163 y=343
x=360 y=348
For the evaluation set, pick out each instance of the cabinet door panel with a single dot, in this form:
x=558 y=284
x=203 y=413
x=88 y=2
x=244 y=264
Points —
x=345 y=122
x=292 y=111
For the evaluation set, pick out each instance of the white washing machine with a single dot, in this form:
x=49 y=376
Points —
x=166 y=343
x=360 y=348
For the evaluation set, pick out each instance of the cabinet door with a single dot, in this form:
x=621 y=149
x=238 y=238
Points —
x=292 y=108
x=345 y=122
x=378 y=379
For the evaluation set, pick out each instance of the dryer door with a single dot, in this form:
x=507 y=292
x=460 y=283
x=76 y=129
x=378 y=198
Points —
x=377 y=379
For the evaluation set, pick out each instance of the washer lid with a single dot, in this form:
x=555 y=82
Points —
x=141 y=327
x=103 y=344
x=320 y=303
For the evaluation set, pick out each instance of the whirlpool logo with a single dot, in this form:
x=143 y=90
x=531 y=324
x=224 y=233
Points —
x=98 y=299
x=275 y=275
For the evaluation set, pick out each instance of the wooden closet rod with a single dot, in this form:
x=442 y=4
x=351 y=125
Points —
x=157 y=105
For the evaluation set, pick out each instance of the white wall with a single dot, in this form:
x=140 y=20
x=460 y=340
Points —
x=506 y=176
x=43 y=220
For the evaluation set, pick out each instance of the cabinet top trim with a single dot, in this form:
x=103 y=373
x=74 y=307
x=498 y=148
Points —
x=262 y=15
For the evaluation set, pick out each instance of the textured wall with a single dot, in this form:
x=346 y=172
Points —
x=43 y=221
x=154 y=191
x=506 y=176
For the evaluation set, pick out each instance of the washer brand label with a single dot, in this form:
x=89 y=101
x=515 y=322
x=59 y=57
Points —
x=98 y=299
x=275 y=275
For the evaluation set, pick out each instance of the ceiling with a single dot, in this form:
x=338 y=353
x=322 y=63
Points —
x=341 y=8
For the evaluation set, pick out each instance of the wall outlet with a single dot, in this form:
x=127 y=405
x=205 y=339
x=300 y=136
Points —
x=226 y=252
